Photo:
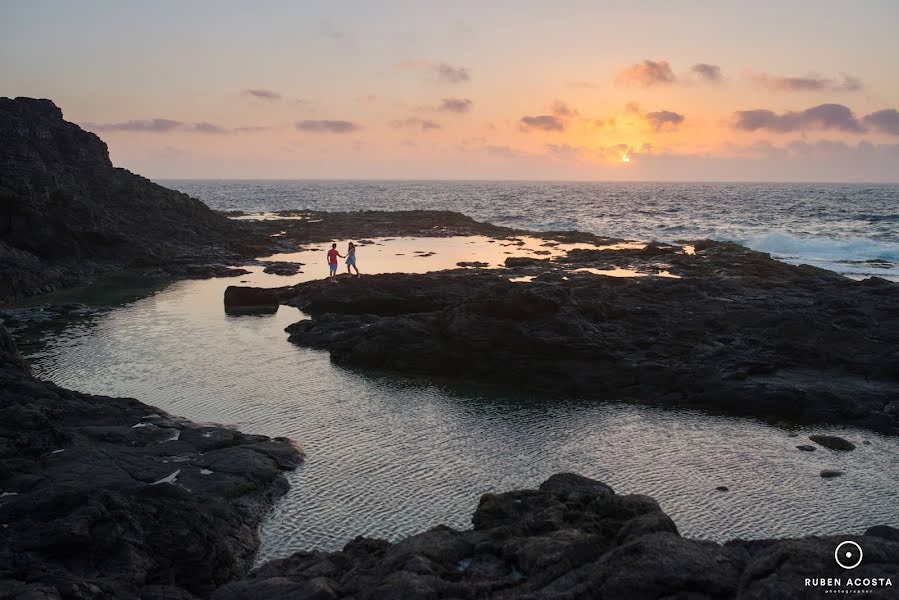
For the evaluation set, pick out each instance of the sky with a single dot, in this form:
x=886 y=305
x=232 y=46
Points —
x=699 y=91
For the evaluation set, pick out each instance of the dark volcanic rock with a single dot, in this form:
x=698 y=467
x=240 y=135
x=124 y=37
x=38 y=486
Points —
x=834 y=442
x=67 y=214
x=830 y=473
x=241 y=297
x=739 y=333
x=572 y=538
x=283 y=268
x=110 y=498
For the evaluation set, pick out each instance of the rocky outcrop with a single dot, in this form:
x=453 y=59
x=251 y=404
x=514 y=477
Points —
x=67 y=214
x=738 y=332
x=572 y=538
x=110 y=498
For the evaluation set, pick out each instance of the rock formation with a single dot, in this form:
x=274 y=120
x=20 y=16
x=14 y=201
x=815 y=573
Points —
x=110 y=498
x=573 y=538
x=738 y=332
x=66 y=213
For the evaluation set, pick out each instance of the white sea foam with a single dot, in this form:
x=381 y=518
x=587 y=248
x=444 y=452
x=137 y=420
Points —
x=821 y=248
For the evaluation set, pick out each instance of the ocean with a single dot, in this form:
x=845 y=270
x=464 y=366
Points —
x=849 y=228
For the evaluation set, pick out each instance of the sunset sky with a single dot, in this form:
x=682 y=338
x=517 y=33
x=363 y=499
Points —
x=787 y=90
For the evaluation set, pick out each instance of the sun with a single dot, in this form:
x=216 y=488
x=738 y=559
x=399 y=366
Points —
x=625 y=158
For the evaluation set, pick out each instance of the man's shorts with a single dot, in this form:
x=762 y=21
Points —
x=333 y=267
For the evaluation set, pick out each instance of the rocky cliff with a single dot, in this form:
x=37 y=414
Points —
x=66 y=213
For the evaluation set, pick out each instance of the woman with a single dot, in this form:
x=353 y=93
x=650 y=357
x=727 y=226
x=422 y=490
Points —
x=351 y=259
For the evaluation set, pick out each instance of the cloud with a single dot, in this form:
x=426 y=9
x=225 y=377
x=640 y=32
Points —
x=664 y=119
x=452 y=74
x=563 y=151
x=647 y=73
x=328 y=126
x=502 y=151
x=456 y=105
x=884 y=121
x=262 y=94
x=561 y=109
x=141 y=125
x=707 y=72
x=822 y=117
x=544 y=122
x=415 y=123
x=809 y=83
x=204 y=127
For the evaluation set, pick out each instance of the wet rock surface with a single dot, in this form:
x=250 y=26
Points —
x=69 y=216
x=737 y=332
x=572 y=538
x=111 y=498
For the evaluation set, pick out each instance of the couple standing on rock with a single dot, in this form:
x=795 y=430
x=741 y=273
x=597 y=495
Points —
x=350 y=260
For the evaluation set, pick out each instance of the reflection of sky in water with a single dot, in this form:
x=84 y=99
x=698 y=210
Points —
x=391 y=455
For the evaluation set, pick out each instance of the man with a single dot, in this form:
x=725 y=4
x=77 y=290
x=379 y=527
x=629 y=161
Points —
x=332 y=261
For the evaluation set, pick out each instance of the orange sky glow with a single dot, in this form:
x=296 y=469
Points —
x=651 y=90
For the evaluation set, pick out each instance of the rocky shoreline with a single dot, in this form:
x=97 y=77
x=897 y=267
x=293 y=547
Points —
x=111 y=498
x=729 y=330
x=572 y=538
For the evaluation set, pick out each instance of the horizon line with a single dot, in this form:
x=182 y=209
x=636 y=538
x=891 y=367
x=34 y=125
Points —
x=513 y=180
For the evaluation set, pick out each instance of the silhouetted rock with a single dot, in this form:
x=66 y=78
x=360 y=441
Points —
x=830 y=473
x=111 y=498
x=572 y=538
x=68 y=214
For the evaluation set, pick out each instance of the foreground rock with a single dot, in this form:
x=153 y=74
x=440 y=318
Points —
x=572 y=538
x=69 y=215
x=110 y=498
x=738 y=332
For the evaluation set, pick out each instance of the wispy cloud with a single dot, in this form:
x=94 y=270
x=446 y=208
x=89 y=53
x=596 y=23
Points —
x=808 y=83
x=543 y=122
x=328 y=126
x=562 y=109
x=707 y=72
x=262 y=94
x=455 y=105
x=452 y=74
x=442 y=71
x=415 y=123
x=822 y=117
x=884 y=121
x=157 y=125
x=664 y=119
x=502 y=151
x=647 y=74
x=204 y=127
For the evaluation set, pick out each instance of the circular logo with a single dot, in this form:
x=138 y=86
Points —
x=848 y=554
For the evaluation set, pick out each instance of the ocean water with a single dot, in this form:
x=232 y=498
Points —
x=849 y=228
x=388 y=455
